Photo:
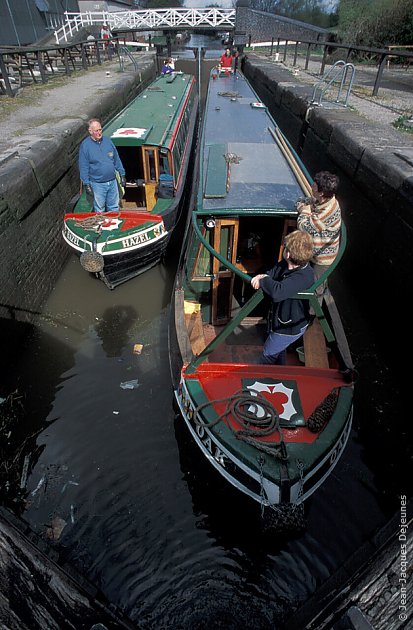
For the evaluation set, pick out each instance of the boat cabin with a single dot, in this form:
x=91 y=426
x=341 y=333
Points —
x=150 y=135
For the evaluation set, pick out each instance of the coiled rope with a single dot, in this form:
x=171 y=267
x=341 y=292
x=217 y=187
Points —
x=244 y=409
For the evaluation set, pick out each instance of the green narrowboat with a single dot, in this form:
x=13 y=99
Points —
x=155 y=138
x=274 y=432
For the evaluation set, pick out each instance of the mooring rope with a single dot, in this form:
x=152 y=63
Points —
x=244 y=407
x=230 y=158
x=90 y=223
x=229 y=94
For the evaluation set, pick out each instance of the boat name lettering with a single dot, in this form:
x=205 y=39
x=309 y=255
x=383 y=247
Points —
x=340 y=445
x=135 y=240
x=71 y=237
x=215 y=451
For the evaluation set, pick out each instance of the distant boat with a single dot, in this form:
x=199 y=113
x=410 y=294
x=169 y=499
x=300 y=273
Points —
x=274 y=432
x=154 y=136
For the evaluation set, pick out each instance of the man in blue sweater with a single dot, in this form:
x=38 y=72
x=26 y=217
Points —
x=288 y=318
x=98 y=163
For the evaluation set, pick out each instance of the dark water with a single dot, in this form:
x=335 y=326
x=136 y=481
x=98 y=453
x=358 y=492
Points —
x=145 y=519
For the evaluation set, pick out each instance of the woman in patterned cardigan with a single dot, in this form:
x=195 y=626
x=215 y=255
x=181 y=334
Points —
x=321 y=218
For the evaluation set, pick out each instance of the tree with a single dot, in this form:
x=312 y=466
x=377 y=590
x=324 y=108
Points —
x=376 y=22
x=309 y=11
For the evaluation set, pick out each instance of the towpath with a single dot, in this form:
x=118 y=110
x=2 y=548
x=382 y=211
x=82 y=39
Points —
x=31 y=114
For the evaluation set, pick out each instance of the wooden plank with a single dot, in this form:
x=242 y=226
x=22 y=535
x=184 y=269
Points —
x=315 y=349
x=216 y=176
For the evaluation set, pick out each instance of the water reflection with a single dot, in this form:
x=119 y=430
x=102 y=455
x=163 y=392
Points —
x=113 y=328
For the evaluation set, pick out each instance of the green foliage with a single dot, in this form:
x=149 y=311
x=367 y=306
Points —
x=309 y=11
x=404 y=123
x=376 y=22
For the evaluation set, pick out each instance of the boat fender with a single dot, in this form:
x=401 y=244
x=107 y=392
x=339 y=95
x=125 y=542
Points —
x=323 y=412
x=92 y=261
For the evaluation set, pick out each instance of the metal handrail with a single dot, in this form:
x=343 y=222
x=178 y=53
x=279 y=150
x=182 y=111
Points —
x=309 y=295
x=122 y=50
x=337 y=72
x=382 y=54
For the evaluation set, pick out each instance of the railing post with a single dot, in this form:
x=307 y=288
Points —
x=41 y=67
x=65 y=61
x=323 y=63
x=307 y=58
x=7 y=86
x=84 y=59
x=295 y=53
x=272 y=45
x=285 y=50
x=382 y=63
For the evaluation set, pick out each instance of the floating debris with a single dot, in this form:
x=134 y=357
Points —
x=134 y=384
x=39 y=485
x=72 y=513
x=137 y=348
x=25 y=469
x=56 y=527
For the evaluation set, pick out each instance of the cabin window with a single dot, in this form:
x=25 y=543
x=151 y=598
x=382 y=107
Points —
x=163 y=165
x=150 y=163
x=203 y=261
x=226 y=244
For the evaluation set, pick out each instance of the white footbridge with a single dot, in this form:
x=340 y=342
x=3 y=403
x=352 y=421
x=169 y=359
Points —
x=149 y=19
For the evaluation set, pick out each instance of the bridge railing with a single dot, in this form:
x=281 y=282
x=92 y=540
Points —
x=147 y=19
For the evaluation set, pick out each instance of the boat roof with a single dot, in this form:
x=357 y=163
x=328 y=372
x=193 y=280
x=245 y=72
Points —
x=152 y=116
x=237 y=127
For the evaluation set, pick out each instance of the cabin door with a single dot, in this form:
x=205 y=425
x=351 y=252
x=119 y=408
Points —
x=225 y=242
x=151 y=173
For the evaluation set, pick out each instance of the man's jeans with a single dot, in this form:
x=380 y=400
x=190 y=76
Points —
x=276 y=345
x=106 y=196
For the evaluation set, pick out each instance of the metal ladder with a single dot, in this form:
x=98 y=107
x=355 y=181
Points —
x=337 y=73
x=124 y=52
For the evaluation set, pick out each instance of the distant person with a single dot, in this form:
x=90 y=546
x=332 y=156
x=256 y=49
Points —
x=105 y=32
x=167 y=68
x=236 y=58
x=98 y=163
x=226 y=60
x=321 y=218
x=288 y=318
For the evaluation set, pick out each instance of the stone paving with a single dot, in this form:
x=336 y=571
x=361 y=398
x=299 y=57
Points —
x=393 y=100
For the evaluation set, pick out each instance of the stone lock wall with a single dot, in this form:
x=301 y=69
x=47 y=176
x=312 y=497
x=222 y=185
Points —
x=262 y=26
